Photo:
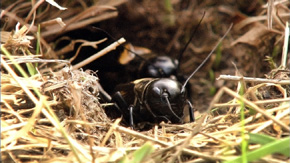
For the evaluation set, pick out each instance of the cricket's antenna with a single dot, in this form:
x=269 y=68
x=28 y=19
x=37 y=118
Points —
x=203 y=62
x=188 y=42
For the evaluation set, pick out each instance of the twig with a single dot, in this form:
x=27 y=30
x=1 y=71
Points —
x=109 y=133
x=250 y=79
x=165 y=144
x=255 y=102
x=269 y=122
x=185 y=143
x=99 y=54
x=256 y=108
x=250 y=20
x=270 y=13
x=32 y=11
x=54 y=30
x=236 y=127
x=37 y=60
x=285 y=46
x=11 y=127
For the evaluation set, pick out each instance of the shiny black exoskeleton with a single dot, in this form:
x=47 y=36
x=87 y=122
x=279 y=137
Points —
x=153 y=66
x=154 y=99
x=158 y=66
x=151 y=100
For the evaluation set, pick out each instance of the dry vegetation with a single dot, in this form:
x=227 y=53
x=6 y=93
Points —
x=54 y=114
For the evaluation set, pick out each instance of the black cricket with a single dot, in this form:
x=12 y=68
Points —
x=153 y=99
x=158 y=85
x=148 y=66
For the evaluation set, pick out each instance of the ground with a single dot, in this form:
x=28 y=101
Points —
x=57 y=113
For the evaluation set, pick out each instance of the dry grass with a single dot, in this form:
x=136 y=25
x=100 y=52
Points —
x=55 y=115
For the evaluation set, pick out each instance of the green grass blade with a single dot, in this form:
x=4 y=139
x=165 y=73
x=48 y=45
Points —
x=139 y=155
x=270 y=148
x=265 y=139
